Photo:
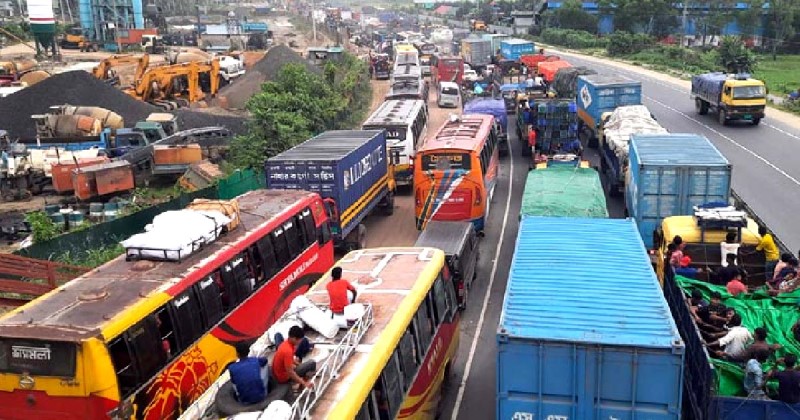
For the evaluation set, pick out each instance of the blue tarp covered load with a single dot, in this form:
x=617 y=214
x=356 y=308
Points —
x=487 y=106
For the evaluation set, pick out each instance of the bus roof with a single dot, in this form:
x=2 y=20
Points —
x=467 y=133
x=80 y=309
x=395 y=281
x=395 y=111
x=686 y=228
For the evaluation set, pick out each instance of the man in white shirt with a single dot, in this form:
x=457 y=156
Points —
x=730 y=246
x=735 y=341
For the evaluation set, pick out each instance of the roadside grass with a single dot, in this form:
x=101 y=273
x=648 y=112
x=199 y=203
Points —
x=782 y=75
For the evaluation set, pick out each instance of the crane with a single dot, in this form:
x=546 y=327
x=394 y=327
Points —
x=177 y=85
x=104 y=71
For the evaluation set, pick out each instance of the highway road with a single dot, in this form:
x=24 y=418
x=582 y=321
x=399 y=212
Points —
x=765 y=158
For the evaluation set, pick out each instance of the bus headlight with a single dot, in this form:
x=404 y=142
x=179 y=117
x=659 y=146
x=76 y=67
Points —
x=26 y=381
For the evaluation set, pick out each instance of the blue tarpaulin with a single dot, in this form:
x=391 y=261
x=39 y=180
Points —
x=487 y=106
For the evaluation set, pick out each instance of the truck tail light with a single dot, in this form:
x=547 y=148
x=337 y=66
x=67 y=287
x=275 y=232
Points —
x=477 y=196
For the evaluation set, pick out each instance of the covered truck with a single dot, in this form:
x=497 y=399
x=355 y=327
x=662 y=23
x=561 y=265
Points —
x=563 y=191
x=349 y=169
x=476 y=52
x=512 y=49
x=555 y=122
x=548 y=69
x=495 y=40
x=598 y=94
x=732 y=97
x=447 y=69
x=615 y=132
x=496 y=108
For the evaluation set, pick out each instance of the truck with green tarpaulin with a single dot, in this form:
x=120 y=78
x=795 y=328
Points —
x=564 y=191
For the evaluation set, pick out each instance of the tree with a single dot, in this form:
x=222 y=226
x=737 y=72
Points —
x=572 y=16
x=649 y=16
x=734 y=55
x=751 y=18
x=781 y=16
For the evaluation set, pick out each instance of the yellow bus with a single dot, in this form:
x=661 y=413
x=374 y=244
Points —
x=390 y=362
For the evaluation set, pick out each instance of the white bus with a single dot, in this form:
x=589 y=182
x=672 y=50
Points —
x=405 y=122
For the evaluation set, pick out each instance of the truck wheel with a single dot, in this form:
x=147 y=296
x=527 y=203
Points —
x=723 y=117
x=388 y=208
x=756 y=121
x=362 y=237
x=701 y=106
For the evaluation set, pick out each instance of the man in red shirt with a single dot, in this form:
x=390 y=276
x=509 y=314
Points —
x=286 y=367
x=735 y=287
x=339 y=291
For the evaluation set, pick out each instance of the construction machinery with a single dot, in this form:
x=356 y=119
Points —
x=105 y=70
x=74 y=38
x=13 y=70
x=178 y=85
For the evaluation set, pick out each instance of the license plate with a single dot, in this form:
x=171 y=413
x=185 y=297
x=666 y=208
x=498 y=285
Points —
x=748 y=117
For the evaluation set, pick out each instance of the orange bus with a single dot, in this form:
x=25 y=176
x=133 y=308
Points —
x=392 y=359
x=455 y=172
x=144 y=338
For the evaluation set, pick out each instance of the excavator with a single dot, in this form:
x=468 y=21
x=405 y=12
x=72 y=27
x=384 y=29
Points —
x=177 y=85
x=105 y=70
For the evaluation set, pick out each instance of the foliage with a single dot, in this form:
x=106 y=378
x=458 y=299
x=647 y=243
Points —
x=571 y=38
x=625 y=43
x=572 y=16
x=44 y=229
x=92 y=257
x=653 y=17
x=734 y=55
x=299 y=104
x=781 y=17
x=689 y=60
x=18 y=30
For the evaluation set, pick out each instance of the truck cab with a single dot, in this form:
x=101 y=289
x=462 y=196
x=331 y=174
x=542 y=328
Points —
x=153 y=131
x=230 y=68
x=125 y=140
x=167 y=121
x=731 y=97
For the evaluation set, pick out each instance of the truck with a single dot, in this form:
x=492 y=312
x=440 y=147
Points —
x=555 y=122
x=614 y=135
x=496 y=108
x=598 y=94
x=670 y=174
x=476 y=52
x=351 y=171
x=549 y=69
x=495 y=40
x=447 y=69
x=512 y=49
x=563 y=191
x=576 y=355
x=731 y=97
x=380 y=67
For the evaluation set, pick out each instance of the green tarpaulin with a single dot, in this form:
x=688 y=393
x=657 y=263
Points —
x=564 y=191
x=757 y=309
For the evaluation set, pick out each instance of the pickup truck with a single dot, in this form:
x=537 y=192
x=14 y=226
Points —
x=352 y=172
x=615 y=131
x=731 y=97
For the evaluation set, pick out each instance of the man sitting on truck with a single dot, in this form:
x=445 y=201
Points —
x=340 y=293
x=734 y=341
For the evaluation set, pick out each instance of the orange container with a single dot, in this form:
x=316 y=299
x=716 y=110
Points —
x=62 y=172
x=102 y=179
x=548 y=69
x=84 y=184
x=177 y=154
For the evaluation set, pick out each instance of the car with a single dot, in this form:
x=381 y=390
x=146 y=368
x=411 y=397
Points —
x=470 y=75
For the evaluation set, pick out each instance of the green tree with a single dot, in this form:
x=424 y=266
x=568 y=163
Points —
x=781 y=16
x=652 y=17
x=734 y=55
x=750 y=19
x=572 y=16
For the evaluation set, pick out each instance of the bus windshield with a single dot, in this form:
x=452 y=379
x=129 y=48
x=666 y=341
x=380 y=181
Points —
x=444 y=161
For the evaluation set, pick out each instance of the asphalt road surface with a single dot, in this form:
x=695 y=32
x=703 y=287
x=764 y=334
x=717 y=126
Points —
x=765 y=158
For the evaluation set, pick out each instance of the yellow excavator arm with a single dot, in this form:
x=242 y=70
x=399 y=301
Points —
x=155 y=84
x=103 y=70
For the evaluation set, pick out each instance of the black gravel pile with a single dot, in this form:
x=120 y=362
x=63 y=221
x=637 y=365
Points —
x=266 y=69
x=74 y=88
x=196 y=119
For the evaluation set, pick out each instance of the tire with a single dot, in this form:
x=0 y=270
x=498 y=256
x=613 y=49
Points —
x=756 y=121
x=701 y=106
x=388 y=210
x=362 y=237
x=723 y=117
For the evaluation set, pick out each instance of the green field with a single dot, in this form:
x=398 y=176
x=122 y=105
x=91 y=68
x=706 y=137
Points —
x=781 y=76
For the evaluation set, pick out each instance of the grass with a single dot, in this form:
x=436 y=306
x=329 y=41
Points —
x=782 y=75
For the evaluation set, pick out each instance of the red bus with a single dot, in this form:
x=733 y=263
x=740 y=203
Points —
x=455 y=171
x=143 y=339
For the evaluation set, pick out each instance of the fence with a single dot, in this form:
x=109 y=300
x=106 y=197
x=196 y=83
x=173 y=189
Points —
x=114 y=231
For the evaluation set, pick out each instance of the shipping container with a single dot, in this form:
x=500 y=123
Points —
x=582 y=337
x=102 y=179
x=495 y=40
x=512 y=49
x=598 y=94
x=669 y=174
x=349 y=167
x=62 y=172
x=476 y=52
x=563 y=191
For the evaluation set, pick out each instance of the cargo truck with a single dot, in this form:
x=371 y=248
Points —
x=563 y=191
x=598 y=94
x=349 y=169
x=615 y=131
x=731 y=97
x=476 y=52
x=494 y=41
x=447 y=69
x=512 y=49
x=565 y=348
x=669 y=174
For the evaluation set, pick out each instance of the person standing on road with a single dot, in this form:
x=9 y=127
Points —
x=771 y=252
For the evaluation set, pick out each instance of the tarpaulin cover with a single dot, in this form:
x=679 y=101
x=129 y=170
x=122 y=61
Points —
x=566 y=80
x=486 y=106
x=757 y=309
x=564 y=191
x=625 y=121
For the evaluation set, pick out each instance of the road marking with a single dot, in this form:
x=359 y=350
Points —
x=724 y=136
x=463 y=385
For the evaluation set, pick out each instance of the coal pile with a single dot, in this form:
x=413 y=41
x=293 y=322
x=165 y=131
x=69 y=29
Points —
x=195 y=119
x=75 y=88
x=266 y=69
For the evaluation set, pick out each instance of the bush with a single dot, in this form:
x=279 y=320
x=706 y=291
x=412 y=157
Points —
x=676 y=57
x=571 y=38
x=625 y=43
x=734 y=55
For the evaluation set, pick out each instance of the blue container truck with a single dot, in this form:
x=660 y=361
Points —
x=592 y=340
x=349 y=169
x=669 y=174
x=512 y=49
x=598 y=94
x=495 y=40
x=496 y=108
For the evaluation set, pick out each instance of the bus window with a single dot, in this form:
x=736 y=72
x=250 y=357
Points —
x=166 y=331
x=440 y=161
x=188 y=327
x=440 y=300
x=147 y=347
x=324 y=233
x=391 y=381
x=267 y=252
x=308 y=227
x=408 y=364
x=121 y=356
x=256 y=264
x=211 y=302
x=293 y=238
x=282 y=254
x=425 y=327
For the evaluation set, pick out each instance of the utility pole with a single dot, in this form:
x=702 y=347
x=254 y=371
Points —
x=314 y=21
x=684 y=19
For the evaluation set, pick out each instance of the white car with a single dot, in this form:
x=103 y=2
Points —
x=470 y=75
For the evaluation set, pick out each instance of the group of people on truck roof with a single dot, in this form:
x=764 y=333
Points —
x=255 y=380
x=721 y=326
